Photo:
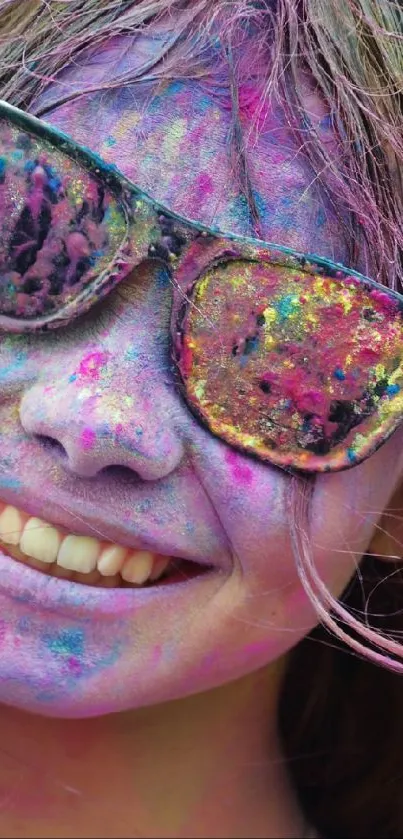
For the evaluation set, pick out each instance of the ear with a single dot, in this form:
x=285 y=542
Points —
x=387 y=541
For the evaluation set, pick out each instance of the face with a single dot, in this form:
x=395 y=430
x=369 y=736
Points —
x=95 y=438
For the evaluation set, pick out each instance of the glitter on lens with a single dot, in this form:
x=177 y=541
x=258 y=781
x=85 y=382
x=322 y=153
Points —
x=303 y=386
x=64 y=231
x=72 y=227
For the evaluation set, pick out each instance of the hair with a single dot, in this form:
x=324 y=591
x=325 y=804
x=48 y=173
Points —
x=340 y=716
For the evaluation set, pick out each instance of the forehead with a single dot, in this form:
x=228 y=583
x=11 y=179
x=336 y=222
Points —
x=175 y=140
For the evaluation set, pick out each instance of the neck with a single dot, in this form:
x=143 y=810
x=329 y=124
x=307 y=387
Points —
x=208 y=765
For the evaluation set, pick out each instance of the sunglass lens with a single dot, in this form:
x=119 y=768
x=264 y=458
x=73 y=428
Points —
x=300 y=369
x=61 y=227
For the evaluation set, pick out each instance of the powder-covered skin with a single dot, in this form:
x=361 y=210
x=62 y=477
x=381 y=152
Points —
x=174 y=140
x=130 y=462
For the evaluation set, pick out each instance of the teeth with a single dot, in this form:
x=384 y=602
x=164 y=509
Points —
x=11 y=526
x=40 y=540
x=160 y=564
x=79 y=553
x=137 y=567
x=111 y=560
x=72 y=557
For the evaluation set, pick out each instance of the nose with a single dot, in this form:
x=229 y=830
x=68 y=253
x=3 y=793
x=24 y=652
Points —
x=97 y=428
x=109 y=402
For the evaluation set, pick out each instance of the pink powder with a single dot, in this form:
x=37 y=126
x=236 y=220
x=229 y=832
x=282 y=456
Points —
x=254 y=106
x=241 y=473
x=389 y=305
x=74 y=666
x=92 y=364
x=88 y=438
x=205 y=184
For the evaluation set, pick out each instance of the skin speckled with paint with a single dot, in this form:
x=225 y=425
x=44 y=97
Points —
x=173 y=140
x=117 y=453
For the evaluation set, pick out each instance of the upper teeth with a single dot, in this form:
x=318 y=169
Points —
x=84 y=554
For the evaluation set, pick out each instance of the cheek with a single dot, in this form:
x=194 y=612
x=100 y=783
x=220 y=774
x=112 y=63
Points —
x=346 y=507
x=252 y=501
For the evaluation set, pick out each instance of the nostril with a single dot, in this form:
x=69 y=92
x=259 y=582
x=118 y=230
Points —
x=123 y=474
x=50 y=444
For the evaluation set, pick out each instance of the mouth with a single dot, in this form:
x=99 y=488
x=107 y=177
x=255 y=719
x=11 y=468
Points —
x=86 y=560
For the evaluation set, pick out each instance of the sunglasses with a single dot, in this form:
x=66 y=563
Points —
x=288 y=357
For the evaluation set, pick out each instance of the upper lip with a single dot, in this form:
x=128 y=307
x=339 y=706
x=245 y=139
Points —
x=74 y=522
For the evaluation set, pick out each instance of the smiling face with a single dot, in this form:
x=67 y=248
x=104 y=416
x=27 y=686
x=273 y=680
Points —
x=95 y=438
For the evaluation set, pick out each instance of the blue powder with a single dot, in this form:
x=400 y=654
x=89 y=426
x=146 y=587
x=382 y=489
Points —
x=163 y=277
x=10 y=483
x=251 y=345
x=190 y=527
x=392 y=390
x=204 y=104
x=16 y=364
x=321 y=217
x=239 y=208
x=65 y=643
x=131 y=354
x=326 y=122
x=24 y=626
x=286 y=306
x=143 y=506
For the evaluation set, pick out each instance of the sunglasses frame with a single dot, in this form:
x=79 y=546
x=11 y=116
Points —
x=212 y=246
x=128 y=194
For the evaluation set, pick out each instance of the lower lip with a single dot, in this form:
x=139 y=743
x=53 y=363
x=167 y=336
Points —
x=42 y=592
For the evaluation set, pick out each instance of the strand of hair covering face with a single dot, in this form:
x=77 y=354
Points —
x=321 y=598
